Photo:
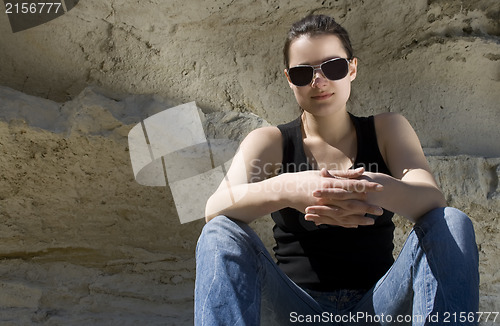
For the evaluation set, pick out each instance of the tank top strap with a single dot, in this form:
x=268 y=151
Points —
x=368 y=151
x=294 y=158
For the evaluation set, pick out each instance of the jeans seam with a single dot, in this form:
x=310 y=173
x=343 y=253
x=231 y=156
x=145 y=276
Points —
x=254 y=300
x=427 y=289
x=428 y=271
x=257 y=244
x=211 y=283
x=379 y=283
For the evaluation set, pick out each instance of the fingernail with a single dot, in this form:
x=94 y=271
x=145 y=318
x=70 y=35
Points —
x=317 y=194
x=309 y=218
x=310 y=211
x=379 y=187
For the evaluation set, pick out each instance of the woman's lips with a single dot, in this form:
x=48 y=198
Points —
x=322 y=96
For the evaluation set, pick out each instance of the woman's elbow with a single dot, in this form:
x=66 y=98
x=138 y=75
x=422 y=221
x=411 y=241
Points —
x=437 y=202
x=209 y=210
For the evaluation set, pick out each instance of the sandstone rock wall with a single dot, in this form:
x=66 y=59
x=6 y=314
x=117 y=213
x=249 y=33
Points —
x=83 y=243
x=435 y=61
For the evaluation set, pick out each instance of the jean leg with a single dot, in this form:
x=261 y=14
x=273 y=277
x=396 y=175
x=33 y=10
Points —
x=447 y=285
x=392 y=295
x=435 y=275
x=235 y=274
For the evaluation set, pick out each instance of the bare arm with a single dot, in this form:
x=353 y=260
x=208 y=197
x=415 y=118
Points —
x=244 y=193
x=409 y=198
x=252 y=189
x=412 y=190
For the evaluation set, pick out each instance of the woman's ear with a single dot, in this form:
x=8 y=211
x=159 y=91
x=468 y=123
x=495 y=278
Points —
x=288 y=78
x=353 y=68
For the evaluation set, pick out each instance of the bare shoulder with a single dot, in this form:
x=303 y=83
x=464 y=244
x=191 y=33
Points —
x=265 y=139
x=261 y=151
x=264 y=134
x=390 y=125
x=398 y=143
x=390 y=119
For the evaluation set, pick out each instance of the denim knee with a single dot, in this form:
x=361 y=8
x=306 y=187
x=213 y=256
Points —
x=224 y=230
x=213 y=229
x=216 y=224
x=448 y=220
x=453 y=219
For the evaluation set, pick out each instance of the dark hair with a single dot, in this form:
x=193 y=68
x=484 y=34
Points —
x=313 y=25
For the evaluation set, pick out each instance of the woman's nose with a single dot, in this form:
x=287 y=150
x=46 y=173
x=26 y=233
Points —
x=318 y=78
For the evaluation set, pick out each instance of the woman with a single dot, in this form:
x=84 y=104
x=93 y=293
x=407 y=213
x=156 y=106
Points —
x=332 y=182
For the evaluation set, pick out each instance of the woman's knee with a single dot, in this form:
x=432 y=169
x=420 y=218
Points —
x=449 y=223
x=215 y=228
x=449 y=217
x=218 y=223
x=224 y=226
x=223 y=231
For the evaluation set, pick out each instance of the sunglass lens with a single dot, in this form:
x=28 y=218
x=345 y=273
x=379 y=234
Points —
x=300 y=76
x=335 y=69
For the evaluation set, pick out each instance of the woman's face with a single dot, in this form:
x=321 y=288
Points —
x=322 y=96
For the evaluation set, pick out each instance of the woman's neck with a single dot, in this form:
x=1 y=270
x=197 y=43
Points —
x=331 y=129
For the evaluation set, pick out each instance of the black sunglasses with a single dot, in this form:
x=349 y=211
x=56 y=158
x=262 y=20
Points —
x=333 y=69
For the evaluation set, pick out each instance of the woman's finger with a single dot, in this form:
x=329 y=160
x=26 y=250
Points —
x=345 y=207
x=350 y=185
x=348 y=174
x=345 y=221
x=335 y=216
x=331 y=194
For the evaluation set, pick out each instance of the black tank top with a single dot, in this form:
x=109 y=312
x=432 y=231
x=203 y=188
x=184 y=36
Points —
x=328 y=258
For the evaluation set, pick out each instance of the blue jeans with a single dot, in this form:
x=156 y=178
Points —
x=434 y=281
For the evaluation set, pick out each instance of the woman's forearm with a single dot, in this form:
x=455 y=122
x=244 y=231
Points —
x=247 y=202
x=409 y=198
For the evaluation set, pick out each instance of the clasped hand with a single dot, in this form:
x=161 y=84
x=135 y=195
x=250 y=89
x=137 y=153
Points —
x=341 y=199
